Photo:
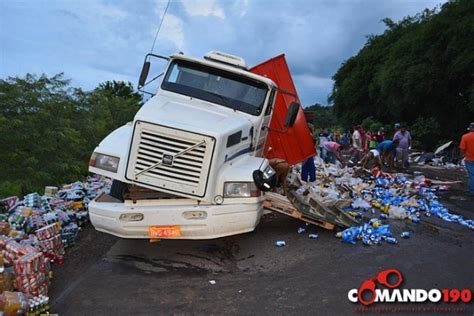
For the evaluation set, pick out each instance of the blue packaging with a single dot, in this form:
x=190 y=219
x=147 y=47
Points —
x=391 y=240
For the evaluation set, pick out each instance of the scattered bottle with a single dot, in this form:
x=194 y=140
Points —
x=405 y=235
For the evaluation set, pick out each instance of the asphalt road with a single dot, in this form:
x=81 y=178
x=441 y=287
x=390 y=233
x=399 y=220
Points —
x=105 y=275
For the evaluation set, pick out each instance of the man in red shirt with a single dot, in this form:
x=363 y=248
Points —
x=467 y=147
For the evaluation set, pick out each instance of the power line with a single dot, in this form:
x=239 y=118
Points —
x=159 y=27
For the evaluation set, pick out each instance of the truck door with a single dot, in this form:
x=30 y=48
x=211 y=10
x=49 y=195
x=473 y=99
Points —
x=262 y=131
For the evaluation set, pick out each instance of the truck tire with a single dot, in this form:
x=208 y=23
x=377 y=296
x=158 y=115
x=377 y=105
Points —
x=118 y=190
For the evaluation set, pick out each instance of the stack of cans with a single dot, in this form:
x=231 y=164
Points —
x=69 y=235
x=12 y=250
x=45 y=206
x=32 y=200
x=50 y=242
x=32 y=274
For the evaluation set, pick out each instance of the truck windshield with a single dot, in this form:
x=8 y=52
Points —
x=216 y=86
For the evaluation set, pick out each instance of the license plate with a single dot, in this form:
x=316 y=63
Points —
x=164 y=231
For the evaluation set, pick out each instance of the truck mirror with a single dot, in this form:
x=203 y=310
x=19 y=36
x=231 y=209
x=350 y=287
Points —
x=291 y=114
x=144 y=74
x=263 y=182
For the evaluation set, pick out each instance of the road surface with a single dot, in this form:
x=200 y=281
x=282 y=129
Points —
x=105 y=275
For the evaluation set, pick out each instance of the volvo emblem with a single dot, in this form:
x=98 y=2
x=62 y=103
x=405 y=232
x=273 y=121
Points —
x=167 y=159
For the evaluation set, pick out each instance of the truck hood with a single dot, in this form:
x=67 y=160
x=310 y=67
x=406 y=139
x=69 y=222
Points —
x=193 y=115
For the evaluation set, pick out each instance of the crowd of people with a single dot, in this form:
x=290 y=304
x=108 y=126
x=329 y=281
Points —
x=367 y=148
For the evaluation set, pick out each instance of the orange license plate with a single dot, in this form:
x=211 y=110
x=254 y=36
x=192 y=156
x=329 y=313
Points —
x=164 y=231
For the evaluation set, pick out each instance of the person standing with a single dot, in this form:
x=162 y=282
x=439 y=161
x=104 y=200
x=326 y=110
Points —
x=308 y=168
x=380 y=136
x=357 y=139
x=345 y=141
x=363 y=138
x=371 y=141
x=356 y=144
x=404 y=144
x=467 y=147
x=396 y=127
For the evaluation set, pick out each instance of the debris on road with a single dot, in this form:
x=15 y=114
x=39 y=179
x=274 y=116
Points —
x=446 y=155
x=34 y=233
x=301 y=230
x=364 y=204
x=405 y=235
x=280 y=243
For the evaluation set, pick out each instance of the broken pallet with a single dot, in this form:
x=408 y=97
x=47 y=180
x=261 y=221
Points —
x=279 y=203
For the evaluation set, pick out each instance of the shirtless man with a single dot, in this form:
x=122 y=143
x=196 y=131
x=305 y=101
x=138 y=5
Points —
x=281 y=168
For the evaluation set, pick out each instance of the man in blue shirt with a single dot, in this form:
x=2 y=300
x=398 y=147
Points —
x=387 y=150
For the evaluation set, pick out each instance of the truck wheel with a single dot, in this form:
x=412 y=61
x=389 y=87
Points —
x=118 y=189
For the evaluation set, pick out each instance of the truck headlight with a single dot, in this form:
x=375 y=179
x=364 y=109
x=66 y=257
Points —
x=105 y=162
x=240 y=190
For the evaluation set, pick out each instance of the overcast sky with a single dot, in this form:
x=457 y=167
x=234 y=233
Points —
x=96 y=40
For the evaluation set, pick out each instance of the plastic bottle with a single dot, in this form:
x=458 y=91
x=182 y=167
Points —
x=391 y=240
x=396 y=212
x=405 y=235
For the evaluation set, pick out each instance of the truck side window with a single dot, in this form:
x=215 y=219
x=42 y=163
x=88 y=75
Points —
x=270 y=102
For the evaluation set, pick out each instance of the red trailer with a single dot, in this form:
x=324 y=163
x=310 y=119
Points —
x=293 y=144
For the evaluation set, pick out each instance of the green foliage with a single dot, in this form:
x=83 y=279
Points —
x=371 y=125
x=420 y=67
x=48 y=130
x=323 y=116
x=425 y=131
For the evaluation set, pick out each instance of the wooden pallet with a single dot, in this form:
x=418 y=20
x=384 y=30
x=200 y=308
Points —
x=279 y=203
x=340 y=217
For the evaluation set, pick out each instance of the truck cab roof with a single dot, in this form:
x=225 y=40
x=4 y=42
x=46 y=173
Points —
x=226 y=67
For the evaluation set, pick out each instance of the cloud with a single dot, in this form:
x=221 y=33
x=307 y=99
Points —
x=96 y=40
x=203 y=8
x=172 y=31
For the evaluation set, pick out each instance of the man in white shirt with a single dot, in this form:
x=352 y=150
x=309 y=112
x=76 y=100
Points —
x=356 y=139
x=356 y=144
x=373 y=156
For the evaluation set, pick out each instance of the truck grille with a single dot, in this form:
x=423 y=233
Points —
x=170 y=159
x=186 y=168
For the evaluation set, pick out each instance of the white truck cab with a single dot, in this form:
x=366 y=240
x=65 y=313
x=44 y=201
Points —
x=197 y=141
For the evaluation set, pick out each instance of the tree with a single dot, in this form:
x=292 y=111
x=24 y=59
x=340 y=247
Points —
x=323 y=115
x=419 y=70
x=48 y=129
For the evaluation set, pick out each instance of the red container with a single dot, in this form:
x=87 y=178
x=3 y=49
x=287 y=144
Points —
x=294 y=144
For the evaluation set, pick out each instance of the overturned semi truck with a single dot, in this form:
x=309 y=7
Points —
x=194 y=164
